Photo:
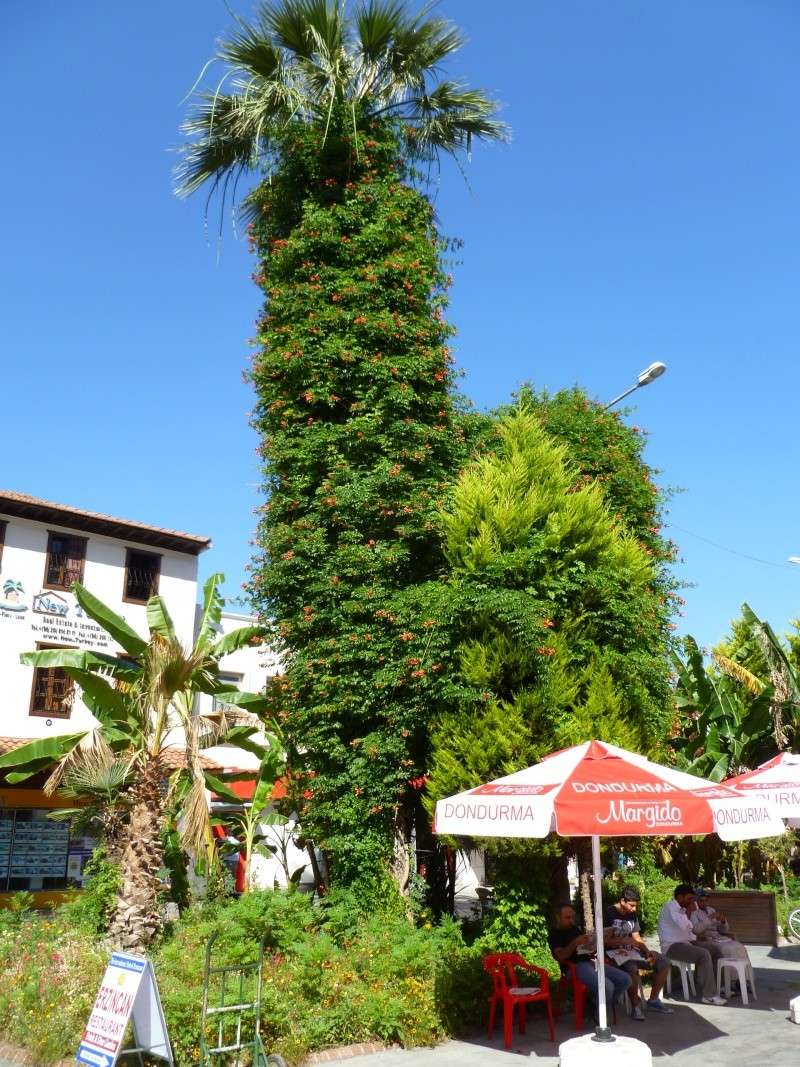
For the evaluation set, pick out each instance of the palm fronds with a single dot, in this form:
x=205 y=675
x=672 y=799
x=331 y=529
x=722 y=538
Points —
x=302 y=58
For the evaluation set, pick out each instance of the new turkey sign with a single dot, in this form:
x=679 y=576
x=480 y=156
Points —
x=597 y=789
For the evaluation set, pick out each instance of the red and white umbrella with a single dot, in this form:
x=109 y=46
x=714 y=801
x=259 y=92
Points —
x=777 y=780
x=598 y=790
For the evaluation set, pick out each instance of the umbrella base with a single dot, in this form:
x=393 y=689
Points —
x=621 y=1052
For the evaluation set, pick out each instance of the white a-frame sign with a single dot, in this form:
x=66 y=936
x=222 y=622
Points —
x=128 y=993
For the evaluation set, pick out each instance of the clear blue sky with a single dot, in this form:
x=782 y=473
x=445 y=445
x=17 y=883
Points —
x=646 y=209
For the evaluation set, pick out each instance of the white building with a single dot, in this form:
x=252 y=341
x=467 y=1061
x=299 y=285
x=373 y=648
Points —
x=44 y=548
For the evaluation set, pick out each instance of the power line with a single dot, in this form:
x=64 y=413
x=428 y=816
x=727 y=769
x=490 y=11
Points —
x=731 y=551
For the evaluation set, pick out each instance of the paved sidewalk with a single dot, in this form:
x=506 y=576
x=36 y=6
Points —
x=696 y=1035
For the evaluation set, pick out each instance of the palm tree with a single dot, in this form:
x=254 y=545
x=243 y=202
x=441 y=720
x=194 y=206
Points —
x=144 y=703
x=103 y=791
x=306 y=61
x=324 y=107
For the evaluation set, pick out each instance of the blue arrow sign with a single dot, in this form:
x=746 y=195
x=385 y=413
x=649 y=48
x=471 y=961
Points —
x=94 y=1057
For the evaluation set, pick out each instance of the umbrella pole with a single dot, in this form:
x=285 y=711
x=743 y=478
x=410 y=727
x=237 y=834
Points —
x=602 y=1032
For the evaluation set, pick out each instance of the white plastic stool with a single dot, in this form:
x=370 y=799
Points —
x=687 y=977
x=744 y=972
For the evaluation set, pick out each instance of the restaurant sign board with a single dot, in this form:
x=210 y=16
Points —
x=128 y=993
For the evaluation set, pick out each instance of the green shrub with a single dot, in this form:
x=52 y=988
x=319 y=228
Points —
x=519 y=920
x=784 y=906
x=90 y=909
x=332 y=976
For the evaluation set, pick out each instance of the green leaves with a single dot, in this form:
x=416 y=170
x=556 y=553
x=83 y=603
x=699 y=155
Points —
x=37 y=756
x=74 y=659
x=724 y=728
x=308 y=63
x=353 y=386
x=236 y=639
x=159 y=621
x=114 y=625
x=211 y=612
x=562 y=627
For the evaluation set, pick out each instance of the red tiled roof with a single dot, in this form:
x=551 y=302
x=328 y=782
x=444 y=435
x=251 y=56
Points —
x=172 y=757
x=21 y=505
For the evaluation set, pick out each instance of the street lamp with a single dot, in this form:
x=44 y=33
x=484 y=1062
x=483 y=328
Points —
x=649 y=374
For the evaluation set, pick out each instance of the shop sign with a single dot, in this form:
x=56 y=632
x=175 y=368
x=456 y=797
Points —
x=128 y=993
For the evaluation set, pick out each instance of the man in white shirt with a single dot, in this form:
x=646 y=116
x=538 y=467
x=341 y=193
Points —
x=678 y=942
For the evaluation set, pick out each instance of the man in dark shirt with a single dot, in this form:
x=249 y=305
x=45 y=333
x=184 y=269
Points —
x=627 y=948
x=570 y=945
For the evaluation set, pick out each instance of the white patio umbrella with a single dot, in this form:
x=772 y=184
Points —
x=777 y=780
x=598 y=790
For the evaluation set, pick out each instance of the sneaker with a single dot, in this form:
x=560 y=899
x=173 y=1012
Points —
x=718 y=1001
x=656 y=1004
x=638 y=1013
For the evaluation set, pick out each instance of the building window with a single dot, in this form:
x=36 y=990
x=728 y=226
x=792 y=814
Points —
x=142 y=570
x=65 y=559
x=53 y=691
x=231 y=682
x=3 y=525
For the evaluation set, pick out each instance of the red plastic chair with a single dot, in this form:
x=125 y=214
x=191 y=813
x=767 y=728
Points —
x=570 y=981
x=508 y=990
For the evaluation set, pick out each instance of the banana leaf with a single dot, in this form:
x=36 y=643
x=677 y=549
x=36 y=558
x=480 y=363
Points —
x=67 y=658
x=211 y=613
x=47 y=749
x=159 y=620
x=241 y=737
x=235 y=640
x=254 y=702
x=216 y=785
x=99 y=695
x=113 y=624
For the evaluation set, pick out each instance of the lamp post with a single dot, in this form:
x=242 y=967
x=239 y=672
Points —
x=649 y=374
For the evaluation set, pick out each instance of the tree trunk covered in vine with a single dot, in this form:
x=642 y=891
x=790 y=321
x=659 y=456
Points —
x=359 y=441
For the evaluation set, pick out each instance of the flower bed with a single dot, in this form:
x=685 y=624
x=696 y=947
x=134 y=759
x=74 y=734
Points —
x=331 y=977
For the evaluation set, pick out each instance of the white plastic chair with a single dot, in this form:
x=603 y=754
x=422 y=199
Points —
x=687 y=977
x=744 y=973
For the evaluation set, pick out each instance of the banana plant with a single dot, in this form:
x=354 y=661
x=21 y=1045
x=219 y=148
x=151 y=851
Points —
x=143 y=701
x=722 y=731
x=782 y=677
x=248 y=819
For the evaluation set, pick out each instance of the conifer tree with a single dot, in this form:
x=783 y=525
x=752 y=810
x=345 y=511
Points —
x=564 y=634
x=563 y=627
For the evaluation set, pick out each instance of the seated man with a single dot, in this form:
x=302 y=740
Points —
x=628 y=950
x=706 y=919
x=678 y=942
x=711 y=927
x=569 y=944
